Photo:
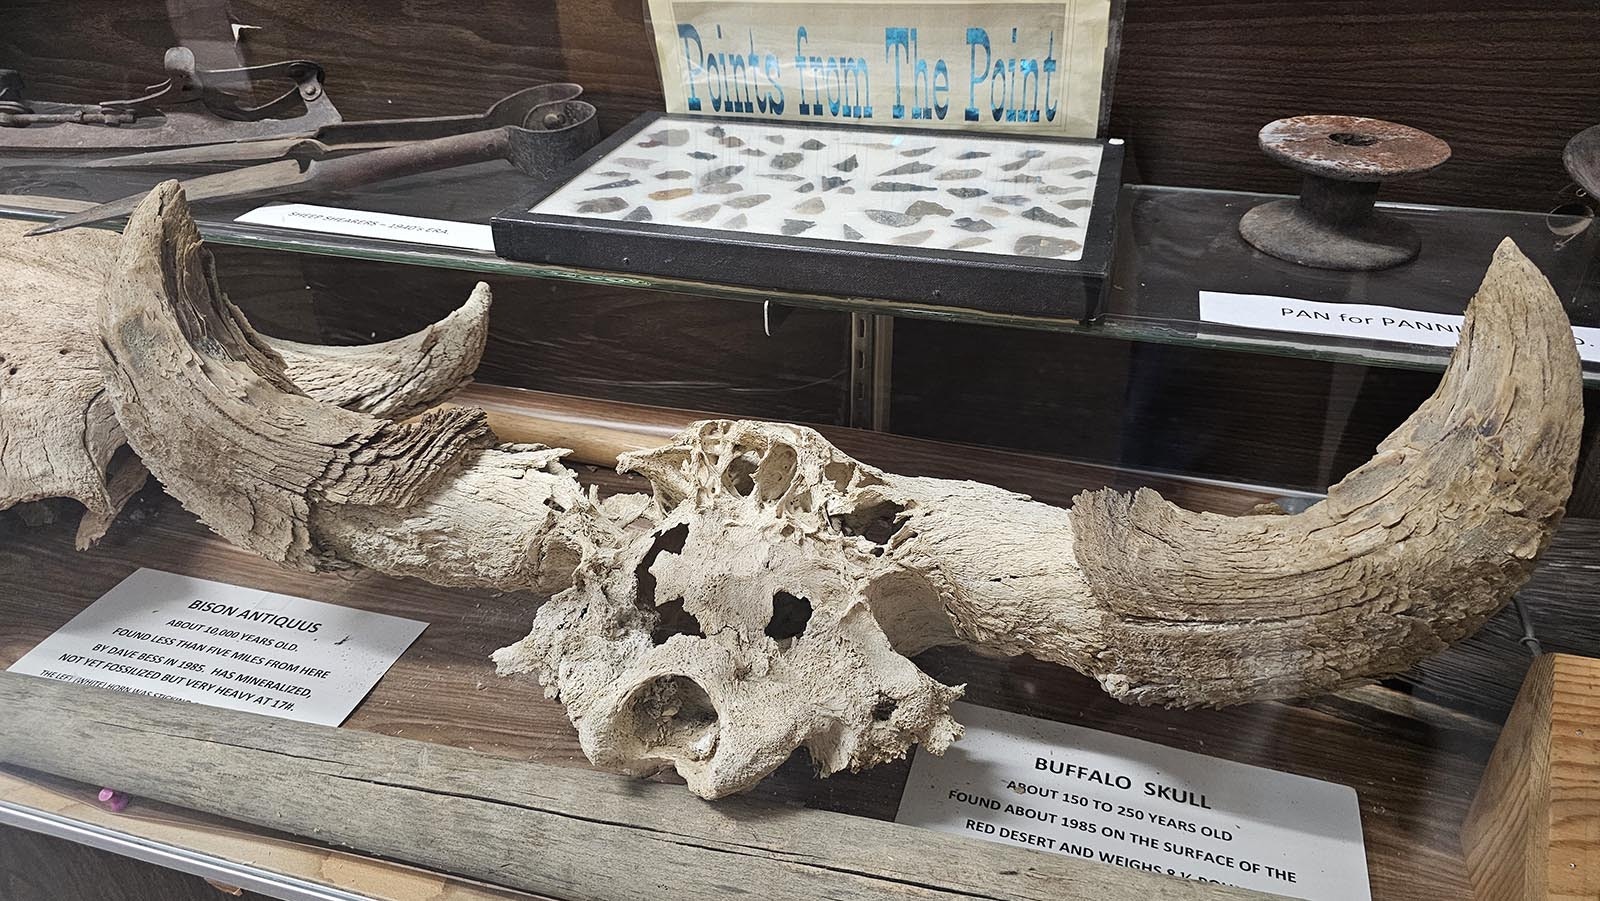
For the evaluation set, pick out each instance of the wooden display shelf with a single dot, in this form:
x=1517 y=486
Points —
x=1414 y=748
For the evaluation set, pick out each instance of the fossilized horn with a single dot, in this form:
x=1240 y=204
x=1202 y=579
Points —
x=796 y=579
x=60 y=437
x=395 y=379
x=307 y=483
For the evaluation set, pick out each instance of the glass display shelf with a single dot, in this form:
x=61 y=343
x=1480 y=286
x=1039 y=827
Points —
x=1172 y=243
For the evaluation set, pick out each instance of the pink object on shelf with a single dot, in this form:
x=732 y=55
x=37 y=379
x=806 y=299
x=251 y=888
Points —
x=113 y=800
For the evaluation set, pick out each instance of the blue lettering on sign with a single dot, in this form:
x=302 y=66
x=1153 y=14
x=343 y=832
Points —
x=896 y=40
x=745 y=79
x=775 y=95
x=693 y=64
x=976 y=37
x=926 y=91
x=801 y=67
x=1049 y=71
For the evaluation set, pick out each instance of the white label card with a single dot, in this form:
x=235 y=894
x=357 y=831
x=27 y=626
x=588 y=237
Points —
x=1125 y=802
x=191 y=639
x=1352 y=320
x=384 y=226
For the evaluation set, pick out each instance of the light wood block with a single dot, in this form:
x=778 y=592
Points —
x=1533 y=832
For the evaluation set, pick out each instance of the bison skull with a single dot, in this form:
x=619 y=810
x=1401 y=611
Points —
x=753 y=619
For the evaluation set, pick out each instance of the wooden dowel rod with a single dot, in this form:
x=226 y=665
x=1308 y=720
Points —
x=566 y=832
x=596 y=430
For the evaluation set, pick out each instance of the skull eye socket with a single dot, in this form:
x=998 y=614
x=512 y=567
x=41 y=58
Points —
x=877 y=522
x=740 y=474
x=671 y=541
x=789 y=617
x=671 y=618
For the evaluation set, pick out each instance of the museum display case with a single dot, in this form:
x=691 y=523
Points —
x=668 y=449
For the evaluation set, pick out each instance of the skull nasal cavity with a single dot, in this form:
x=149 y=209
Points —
x=789 y=617
x=672 y=715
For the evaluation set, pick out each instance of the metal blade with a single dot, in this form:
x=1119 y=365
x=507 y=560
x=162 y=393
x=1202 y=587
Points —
x=271 y=178
x=240 y=152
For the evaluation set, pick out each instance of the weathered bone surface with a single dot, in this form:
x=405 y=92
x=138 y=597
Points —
x=792 y=623
x=60 y=437
x=769 y=598
x=1410 y=552
x=307 y=483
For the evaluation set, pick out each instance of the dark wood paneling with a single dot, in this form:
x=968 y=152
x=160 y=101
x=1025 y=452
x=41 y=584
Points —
x=1056 y=393
x=1275 y=421
x=1242 y=417
x=566 y=337
x=1506 y=83
x=384 y=58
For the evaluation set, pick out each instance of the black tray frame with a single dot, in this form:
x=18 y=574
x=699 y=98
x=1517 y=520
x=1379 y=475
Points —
x=918 y=277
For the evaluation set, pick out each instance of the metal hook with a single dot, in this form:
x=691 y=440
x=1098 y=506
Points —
x=1528 y=639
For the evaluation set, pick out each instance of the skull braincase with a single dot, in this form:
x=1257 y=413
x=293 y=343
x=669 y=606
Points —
x=742 y=625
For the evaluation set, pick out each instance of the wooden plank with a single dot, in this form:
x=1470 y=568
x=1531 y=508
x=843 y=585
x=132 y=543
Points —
x=1573 y=858
x=1533 y=831
x=568 y=833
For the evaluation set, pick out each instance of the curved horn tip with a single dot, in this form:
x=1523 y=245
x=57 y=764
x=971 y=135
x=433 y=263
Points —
x=400 y=378
x=1412 y=550
x=191 y=383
